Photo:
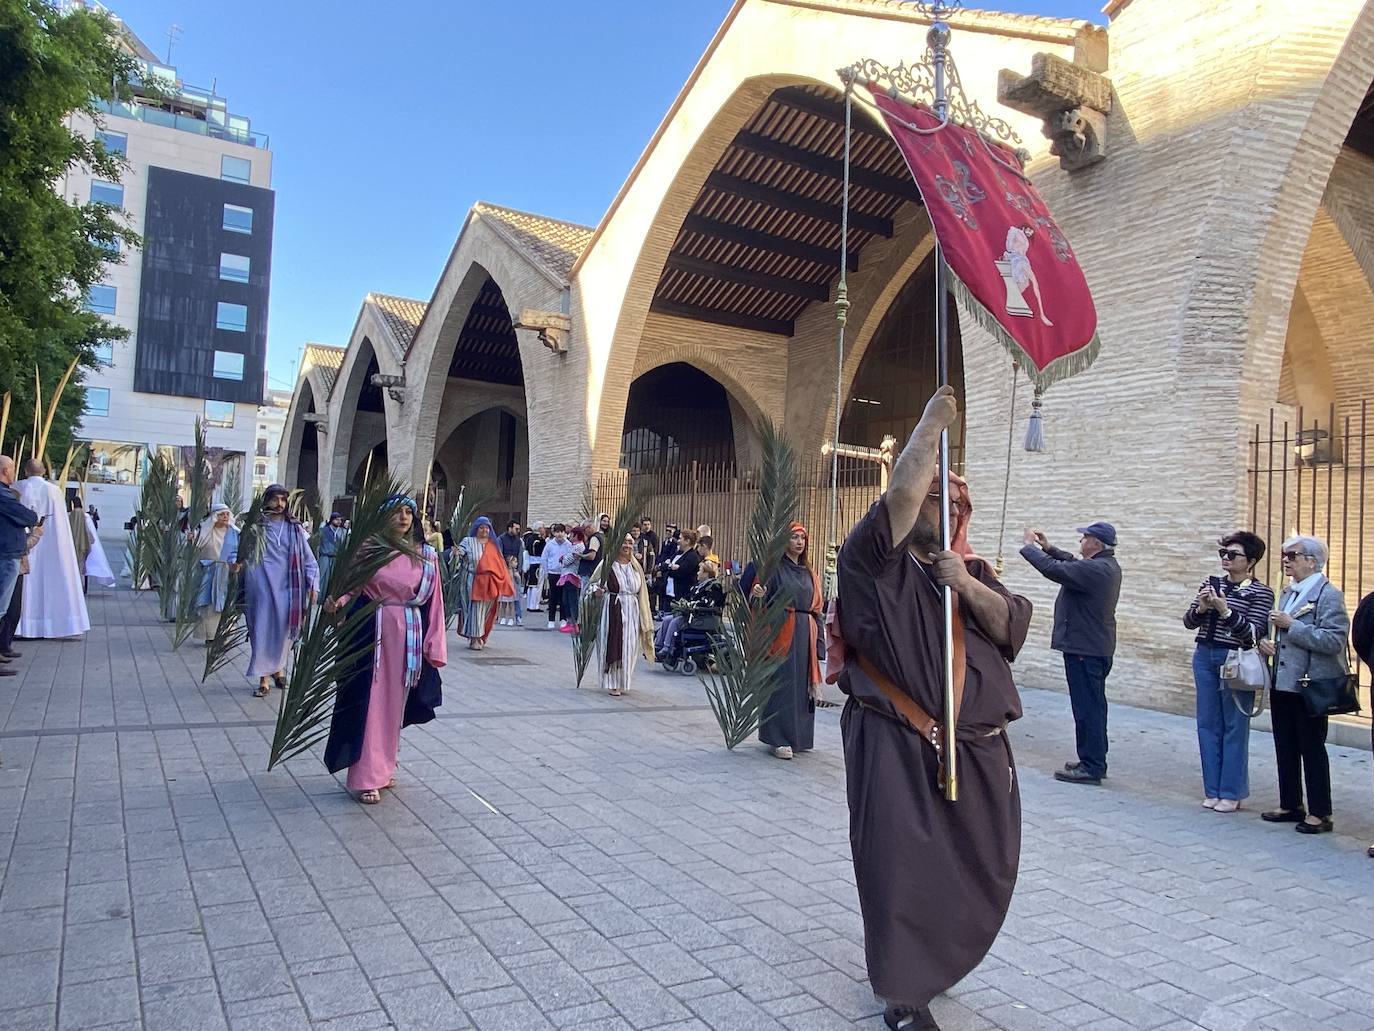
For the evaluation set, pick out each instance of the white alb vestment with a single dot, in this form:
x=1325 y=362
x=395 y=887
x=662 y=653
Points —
x=53 y=604
x=97 y=565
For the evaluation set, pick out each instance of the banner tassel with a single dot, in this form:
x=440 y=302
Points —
x=1035 y=429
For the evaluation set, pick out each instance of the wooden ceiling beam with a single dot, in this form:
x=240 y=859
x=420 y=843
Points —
x=831 y=168
x=830 y=110
x=748 y=277
x=749 y=190
x=770 y=242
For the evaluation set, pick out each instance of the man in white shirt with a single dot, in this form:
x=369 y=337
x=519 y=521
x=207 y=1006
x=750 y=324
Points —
x=53 y=603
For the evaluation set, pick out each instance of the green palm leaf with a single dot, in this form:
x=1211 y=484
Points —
x=231 y=632
x=744 y=674
x=325 y=653
x=187 y=569
x=591 y=608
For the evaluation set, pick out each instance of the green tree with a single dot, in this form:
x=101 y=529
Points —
x=53 y=66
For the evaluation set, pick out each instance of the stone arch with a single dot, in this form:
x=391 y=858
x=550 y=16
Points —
x=747 y=416
x=361 y=414
x=480 y=255
x=301 y=436
x=487 y=443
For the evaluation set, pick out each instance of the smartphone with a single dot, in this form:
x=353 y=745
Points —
x=42 y=520
x=1216 y=583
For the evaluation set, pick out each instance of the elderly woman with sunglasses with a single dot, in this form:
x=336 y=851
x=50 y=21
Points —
x=1311 y=626
x=1230 y=611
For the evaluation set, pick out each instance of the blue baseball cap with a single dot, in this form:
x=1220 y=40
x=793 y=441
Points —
x=1105 y=532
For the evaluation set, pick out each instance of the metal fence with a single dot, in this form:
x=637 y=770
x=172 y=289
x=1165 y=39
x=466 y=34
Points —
x=1309 y=474
x=722 y=497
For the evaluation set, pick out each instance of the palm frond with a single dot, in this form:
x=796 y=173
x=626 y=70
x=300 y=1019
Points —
x=188 y=570
x=151 y=557
x=587 y=507
x=324 y=654
x=591 y=608
x=744 y=674
x=231 y=632
x=472 y=499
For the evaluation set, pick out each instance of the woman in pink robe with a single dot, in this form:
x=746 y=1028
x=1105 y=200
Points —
x=400 y=686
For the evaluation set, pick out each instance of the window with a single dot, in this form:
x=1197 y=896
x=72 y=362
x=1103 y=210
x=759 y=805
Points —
x=236 y=170
x=237 y=219
x=260 y=469
x=233 y=267
x=97 y=401
x=114 y=142
x=101 y=299
x=219 y=413
x=107 y=193
x=228 y=365
x=113 y=461
x=232 y=317
x=262 y=447
x=104 y=352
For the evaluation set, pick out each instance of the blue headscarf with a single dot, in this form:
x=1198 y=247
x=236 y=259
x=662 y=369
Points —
x=400 y=499
x=479 y=521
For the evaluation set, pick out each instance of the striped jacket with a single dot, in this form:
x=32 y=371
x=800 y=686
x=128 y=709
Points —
x=1246 y=624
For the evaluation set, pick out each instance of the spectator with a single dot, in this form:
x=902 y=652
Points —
x=331 y=540
x=705 y=531
x=1311 y=628
x=1085 y=632
x=707 y=596
x=1230 y=611
x=18 y=526
x=1362 y=637
x=659 y=593
x=534 y=539
x=648 y=544
x=513 y=552
x=681 y=569
x=558 y=564
x=594 y=551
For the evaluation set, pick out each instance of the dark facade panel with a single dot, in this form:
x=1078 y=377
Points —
x=183 y=238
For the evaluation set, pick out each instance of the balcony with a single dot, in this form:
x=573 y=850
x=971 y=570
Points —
x=219 y=126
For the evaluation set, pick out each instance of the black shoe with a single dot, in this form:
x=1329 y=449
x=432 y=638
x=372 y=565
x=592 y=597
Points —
x=12 y=655
x=906 y=1018
x=1076 y=776
x=1325 y=827
x=1283 y=816
x=8 y=672
x=1070 y=767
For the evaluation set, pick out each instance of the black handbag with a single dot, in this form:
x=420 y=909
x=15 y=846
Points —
x=1331 y=696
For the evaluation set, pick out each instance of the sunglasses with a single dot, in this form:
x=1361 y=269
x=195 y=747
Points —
x=1289 y=556
x=1227 y=554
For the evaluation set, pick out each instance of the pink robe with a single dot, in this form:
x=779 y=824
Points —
x=395 y=582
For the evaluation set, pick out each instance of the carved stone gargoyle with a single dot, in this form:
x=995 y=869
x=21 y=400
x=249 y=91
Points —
x=553 y=327
x=395 y=386
x=1071 y=100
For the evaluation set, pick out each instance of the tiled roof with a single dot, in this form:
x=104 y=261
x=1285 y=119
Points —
x=329 y=360
x=552 y=244
x=401 y=315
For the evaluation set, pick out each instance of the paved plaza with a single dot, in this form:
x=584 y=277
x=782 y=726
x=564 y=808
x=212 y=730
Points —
x=559 y=858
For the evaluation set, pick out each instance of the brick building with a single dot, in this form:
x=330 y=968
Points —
x=1227 y=233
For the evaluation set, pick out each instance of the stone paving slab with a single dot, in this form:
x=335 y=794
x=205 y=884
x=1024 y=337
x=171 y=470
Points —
x=558 y=858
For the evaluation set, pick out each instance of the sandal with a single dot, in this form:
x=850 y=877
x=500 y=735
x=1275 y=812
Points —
x=370 y=797
x=262 y=689
x=280 y=680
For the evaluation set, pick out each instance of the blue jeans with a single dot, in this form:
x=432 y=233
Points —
x=1087 y=677
x=9 y=575
x=1223 y=731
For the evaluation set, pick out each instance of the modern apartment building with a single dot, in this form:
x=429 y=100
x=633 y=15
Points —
x=198 y=190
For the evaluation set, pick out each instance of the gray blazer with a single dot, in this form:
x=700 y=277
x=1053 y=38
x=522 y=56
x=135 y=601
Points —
x=1316 y=642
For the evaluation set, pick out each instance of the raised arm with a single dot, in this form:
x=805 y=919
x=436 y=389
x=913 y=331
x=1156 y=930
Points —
x=916 y=466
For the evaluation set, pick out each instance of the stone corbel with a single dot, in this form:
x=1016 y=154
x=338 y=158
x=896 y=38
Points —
x=395 y=386
x=1071 y=100
x=317 y=419
x=553 y=327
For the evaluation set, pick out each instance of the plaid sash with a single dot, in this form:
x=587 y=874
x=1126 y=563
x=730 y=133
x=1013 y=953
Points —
x=296 y=544
x=415 y=631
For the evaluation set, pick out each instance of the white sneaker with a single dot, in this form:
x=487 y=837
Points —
x=550 y=624
x=783 y=751
x=1227 y=805
x=1210 y=803
x=562 y=623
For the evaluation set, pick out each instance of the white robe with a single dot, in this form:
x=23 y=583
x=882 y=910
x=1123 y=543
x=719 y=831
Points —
x=53 y=604
x=97 y=565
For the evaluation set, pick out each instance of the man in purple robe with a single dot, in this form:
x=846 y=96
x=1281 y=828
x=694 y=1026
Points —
x=934 y=877
x=279 y=583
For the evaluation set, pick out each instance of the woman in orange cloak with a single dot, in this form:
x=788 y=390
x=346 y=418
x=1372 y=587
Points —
x=488 y=579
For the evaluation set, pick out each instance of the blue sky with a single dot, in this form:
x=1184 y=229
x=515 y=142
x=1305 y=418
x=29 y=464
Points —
x=386 y=127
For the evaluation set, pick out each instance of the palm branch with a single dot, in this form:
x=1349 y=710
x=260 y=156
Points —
x=744 y=674
x=591 y=607
x=188 y=570
x=472 y=499
x=325 y=654
x=231 y=632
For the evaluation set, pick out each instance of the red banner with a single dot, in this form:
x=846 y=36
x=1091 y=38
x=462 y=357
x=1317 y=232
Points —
x=1014 y=271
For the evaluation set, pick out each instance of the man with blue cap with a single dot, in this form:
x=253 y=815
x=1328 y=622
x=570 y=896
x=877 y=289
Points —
x=1085 y=632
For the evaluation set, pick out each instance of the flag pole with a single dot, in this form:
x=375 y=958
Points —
x=938 y=40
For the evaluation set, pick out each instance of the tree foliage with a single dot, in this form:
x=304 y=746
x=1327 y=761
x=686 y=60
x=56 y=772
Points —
x=54 y=247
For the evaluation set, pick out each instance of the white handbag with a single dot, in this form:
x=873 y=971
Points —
x=1245 y=669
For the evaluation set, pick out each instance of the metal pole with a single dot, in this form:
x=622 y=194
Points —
x=938 y=39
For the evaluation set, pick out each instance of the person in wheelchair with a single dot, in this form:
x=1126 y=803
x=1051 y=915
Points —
x=688 y=637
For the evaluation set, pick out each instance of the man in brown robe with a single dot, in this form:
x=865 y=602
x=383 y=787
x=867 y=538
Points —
x=934 y=877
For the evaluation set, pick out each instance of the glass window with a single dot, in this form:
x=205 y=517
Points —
x=101 y=298
x=237 y=170
x=115 y=142
x=260 y=469
x=228 y=365
x=104 y=352
x=115 y=462
x=107 y=193
x=234 y=267
x=219 y=413
x=97 y=401
x=232 y=317
x=237 y=219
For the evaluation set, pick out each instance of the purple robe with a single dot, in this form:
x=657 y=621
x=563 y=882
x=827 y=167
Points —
x=934 y=878
x=267 y=594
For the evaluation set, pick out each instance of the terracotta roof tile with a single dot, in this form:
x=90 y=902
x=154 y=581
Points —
x=552 y=244
x=329 y=360
x=401 y=315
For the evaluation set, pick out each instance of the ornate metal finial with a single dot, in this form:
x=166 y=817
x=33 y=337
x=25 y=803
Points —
x=939 y=9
